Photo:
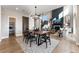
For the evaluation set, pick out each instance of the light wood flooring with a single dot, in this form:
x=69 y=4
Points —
x=11 y=46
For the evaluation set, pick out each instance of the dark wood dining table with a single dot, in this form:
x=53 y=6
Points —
x=39 y=33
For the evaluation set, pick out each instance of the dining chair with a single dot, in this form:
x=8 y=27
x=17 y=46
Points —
x=24 y=36
x=31 y=38
x=46 y=38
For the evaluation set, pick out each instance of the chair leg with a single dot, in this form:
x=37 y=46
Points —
x=46 y=43
x=36 y=40
x=27 y=40
x=23 y=38
x=49 y=41
x=30 y=43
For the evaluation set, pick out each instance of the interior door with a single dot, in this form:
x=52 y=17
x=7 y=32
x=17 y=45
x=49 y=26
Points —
x=12 y=26
x=25 y=23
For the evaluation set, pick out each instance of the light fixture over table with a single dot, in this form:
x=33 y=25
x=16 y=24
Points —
x=35 y=16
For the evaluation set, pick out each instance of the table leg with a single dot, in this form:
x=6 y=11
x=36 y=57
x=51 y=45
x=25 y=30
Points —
x=38 y=40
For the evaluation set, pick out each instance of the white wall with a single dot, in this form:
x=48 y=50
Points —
x=74 y=19
x=77 y=26
x=68 y=15
x=38 y=24
x=6 y=13
x=77 y=21
x=0 y=22
x=68 y=11
x=31 y=23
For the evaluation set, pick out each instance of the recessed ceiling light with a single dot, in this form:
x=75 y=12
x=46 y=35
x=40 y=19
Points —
x=16 y=8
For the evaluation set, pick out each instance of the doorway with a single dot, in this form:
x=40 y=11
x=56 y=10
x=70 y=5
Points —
x=25 y=23
x=12 y=26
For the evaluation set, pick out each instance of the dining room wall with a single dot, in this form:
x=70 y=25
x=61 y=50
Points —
x=77 y=25
x=31 y=23
x=38 y=24
x=77 y=22
x=0 y=22
x=68 y=19
x=5 y=14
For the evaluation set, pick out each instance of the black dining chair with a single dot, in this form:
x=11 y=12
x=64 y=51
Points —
x=25 y=34
x=31 y=38
x=45 y=38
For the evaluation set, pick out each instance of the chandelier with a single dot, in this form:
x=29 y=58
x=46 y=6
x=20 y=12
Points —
x=35 y=10
x=35 y=16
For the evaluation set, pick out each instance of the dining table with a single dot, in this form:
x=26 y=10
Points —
x=39 y=34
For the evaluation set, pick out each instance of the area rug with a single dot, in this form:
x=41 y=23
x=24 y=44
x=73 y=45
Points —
x=38 y=49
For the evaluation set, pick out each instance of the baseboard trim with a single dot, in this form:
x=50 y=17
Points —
x=19 y=35
x=3 y=38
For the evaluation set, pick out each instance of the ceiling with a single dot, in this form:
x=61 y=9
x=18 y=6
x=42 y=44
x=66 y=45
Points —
x=30 y=9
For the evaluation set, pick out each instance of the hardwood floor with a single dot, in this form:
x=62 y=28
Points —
x=65 y=46
x=10 y=46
